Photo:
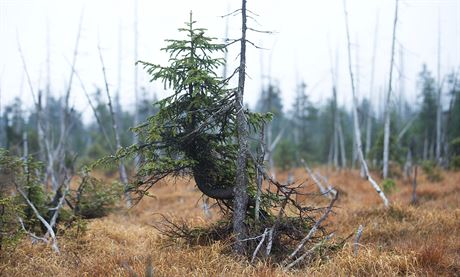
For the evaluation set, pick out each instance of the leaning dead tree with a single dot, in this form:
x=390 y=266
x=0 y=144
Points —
x=386 y=136
x=357 y=130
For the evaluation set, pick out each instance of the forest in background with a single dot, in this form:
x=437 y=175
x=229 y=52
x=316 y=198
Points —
x=303 y=131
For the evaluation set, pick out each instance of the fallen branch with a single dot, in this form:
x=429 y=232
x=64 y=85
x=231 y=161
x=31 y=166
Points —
x=330 y=190
x=314 y=178
x=309 y=252
x=259 y=245
x=32 y=235
x=59 y=205
x=54 y=243
x=312 y=230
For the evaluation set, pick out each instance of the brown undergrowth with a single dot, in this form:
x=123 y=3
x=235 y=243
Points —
x=421 y=239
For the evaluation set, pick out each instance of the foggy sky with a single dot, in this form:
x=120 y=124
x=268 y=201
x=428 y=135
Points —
x=306 y=35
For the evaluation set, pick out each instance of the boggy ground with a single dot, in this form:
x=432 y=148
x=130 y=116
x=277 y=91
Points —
x=421 y=240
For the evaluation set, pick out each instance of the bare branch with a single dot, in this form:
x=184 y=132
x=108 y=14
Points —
x=32 y=235
x=309 y=252
x=259 y=245
x=121 y=166
x=260 y=31
x=54 y=244
x=312 y=230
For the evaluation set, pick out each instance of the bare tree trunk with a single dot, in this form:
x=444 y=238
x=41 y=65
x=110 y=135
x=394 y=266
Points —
x=260 y=160
x=37 y=103
x=408 y=165
x=241 y=195
x=271 y=162
x=96 y=116
x=414 y=187
x=136 y=77
x=336 y=124
x=342 y=143
x=336 y=131
x=371 y=91
x=353 y=152
x=121 y=166
x=355 y=118
x=438 y=102
x=386 y=136
x=25 y=142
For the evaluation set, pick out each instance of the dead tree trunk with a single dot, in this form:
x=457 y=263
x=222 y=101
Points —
x=371 y=92
x=438 y=102
x=355 y=118
x=386 y=136
x=341 y=142
x=121 y=166
x=260 y=160
x=241 y=195
x=136 y=77
x=414 y=187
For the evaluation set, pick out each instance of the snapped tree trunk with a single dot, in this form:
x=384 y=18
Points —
x=240 y=190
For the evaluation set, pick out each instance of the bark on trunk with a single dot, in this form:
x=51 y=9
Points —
x=241 y=196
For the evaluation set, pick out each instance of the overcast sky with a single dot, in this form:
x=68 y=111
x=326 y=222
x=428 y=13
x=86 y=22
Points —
x=306 y=33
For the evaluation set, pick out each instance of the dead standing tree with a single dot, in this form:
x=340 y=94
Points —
x=371 y=91
x=357 y=129
x=121 y=165
x=386 y=136
x=241 y=185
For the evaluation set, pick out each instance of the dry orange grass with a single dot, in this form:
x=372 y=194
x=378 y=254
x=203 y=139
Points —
x=420 y=240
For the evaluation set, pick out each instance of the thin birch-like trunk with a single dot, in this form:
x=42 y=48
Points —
x=121 y=166
x=386 y=136
x=371 y=90
x=438 y=99
x=260 y=160
x=341 y=142
x=136 y=78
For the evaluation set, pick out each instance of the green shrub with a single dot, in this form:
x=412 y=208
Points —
x=10 y=229
x=388 y=185
x=95 y=199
